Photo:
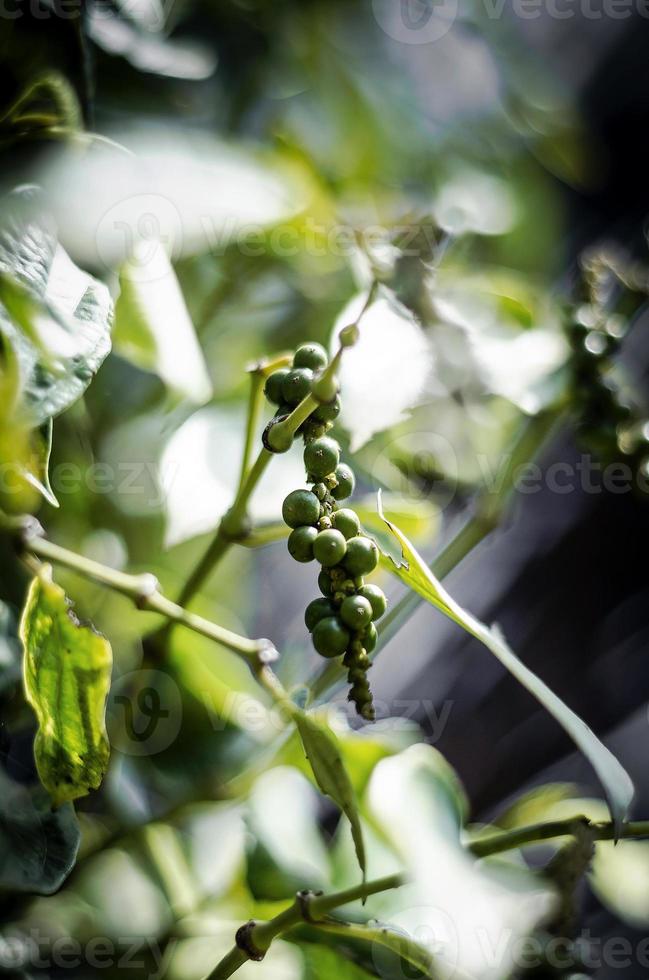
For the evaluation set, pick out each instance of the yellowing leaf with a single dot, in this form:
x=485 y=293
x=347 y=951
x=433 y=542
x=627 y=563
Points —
x=67 y=671
x=615 y=780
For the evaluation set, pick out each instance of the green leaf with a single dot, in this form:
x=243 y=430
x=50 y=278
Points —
x=391 y=949
x=320 y=961
x=38 y=475
x=54 y=316
x=615 y=780
x=67 y=678
x=325 y=757
x=152 y=325
x=46 y=101
x=38 y=845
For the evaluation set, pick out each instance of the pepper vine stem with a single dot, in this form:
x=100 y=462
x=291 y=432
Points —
x=234 y=526
x=570 y=827
x=254 y=938
x=144 y=591
x=487 y=512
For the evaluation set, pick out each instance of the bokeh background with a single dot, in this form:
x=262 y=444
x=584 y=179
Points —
x=255 y=144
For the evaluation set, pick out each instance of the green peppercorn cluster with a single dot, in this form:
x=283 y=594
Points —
x=608 y=423
x=601 y=407
x=341 y=621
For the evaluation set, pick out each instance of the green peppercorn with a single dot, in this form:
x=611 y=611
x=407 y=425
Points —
x=273 y=386
x=320 y=491
x=370 y=637
x=376 y=599
x=346 y=482
x=346 y=521
x=301 y=507
x=274 y=440
x=329 y=547
x=300 y=543
x=327 y=413
x=321 y=456
x=362 y=556
x=324 y=583
x=312 y=356
x=296 y=385
x=330 y=638
x=317 y=610
x=356 y=612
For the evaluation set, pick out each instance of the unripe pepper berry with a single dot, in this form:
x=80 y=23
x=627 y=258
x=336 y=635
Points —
x=296 y=385
x=312 y=356
x=362 y=556
x=321 y=456
x=324 y=583
x=301 y=507
x=370 y=638
x=345 y=482
x=328 y=412
x=317 y=610
x=300 y=543
x=356 y=612
x=329 y=547
x=330 y=638
x=376 y=598
x=346 y=521
x=273 y=386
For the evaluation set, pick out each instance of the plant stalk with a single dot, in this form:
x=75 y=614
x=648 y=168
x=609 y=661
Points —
x=255 y=938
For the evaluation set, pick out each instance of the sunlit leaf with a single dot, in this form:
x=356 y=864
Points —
x=55 y=317
x=152 y=325
x=324 y=755
x=614 y=779
x=67 y=679
x=39 y=476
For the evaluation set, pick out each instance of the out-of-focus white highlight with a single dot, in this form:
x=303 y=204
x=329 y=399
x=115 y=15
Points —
x=385 y=373
x=471 y=201
x=190 y=191
x=165 y=341
x=199 y=471
x=468 y=914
